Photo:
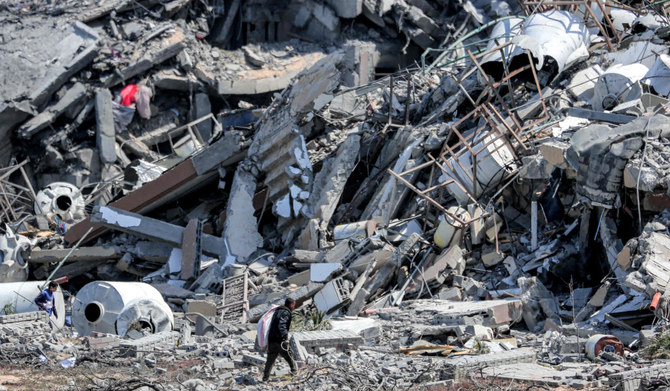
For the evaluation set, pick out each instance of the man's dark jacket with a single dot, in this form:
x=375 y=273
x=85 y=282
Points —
x=281 y=323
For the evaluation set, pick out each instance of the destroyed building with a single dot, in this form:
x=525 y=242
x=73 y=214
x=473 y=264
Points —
x=456 y=193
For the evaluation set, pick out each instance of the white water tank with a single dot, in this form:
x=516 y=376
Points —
x=21 y=296
x=115 y=307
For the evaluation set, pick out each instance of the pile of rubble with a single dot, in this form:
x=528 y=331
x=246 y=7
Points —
x=499 y=204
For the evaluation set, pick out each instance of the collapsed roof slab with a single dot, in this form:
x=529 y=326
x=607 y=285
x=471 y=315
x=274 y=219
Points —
x=66 y=50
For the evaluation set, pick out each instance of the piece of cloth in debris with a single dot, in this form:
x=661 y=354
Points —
x=600 y=153
x=143 y=101
x=123 y=115
x=128 y=94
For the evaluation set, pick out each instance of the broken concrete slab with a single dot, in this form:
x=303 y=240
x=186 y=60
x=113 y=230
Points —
x=73 y=96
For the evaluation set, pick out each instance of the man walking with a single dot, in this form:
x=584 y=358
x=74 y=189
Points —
x=278 y=343
x=46 y=301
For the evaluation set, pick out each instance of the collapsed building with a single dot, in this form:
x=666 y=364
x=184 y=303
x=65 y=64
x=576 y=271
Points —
x=472 y=184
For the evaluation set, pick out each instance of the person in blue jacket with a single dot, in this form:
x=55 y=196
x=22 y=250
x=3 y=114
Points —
x=278 y=343
x=46 y=301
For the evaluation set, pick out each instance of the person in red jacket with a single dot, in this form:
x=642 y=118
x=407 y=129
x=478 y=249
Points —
x=278 y=343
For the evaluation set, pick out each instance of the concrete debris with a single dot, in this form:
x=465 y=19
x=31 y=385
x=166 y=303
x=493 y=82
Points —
x=478 y=185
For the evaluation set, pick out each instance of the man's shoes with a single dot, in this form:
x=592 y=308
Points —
x=265 y=379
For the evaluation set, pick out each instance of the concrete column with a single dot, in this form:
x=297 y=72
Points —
x=104 y=118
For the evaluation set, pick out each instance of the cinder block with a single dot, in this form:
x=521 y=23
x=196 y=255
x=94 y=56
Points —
x=253 y=359
x=631 y=380
x=24 y=317
x=164 y=339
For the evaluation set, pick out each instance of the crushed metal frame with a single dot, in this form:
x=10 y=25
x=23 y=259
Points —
x=234 y=295
x=494 y=123
x=22 y=197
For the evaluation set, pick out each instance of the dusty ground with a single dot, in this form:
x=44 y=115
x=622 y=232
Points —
x=84 y=377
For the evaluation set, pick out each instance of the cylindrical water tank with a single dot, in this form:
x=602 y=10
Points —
x=21 y=295
x=450 y=231
x=115 y=307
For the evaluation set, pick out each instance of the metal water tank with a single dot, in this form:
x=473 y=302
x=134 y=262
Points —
x=116 y=307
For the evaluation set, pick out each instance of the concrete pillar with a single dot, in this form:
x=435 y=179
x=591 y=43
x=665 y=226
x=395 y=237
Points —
x=104 y=118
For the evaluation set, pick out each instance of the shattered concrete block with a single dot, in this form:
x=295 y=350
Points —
x=253 y=359
x=465 y=332
x=333 y=295
x=74 y=53
x=102 y=341
x=492 y=258
x=170 y=47
x=454 y=258
x=327 y=188
x=154 y=229
x=648 y=177
x=452 y=293
x=553 y=152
